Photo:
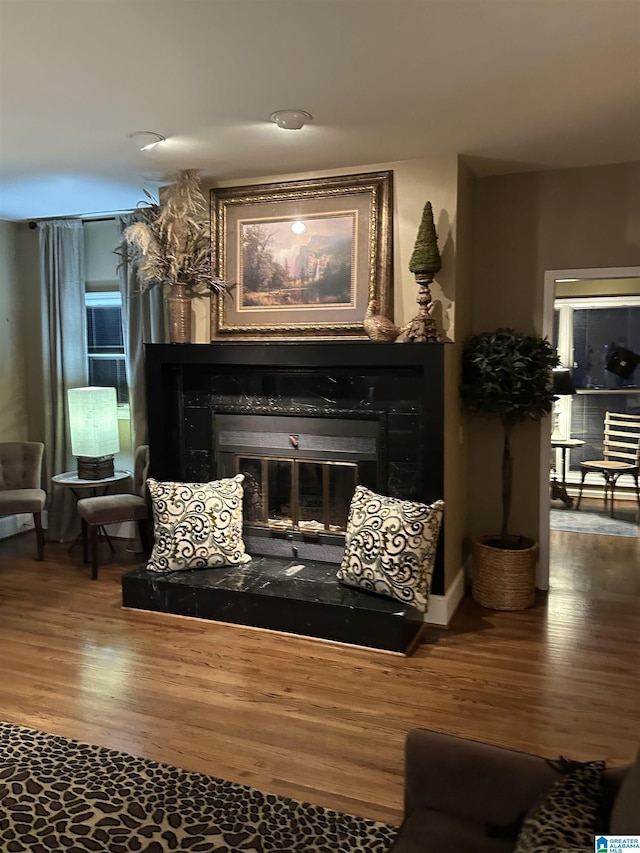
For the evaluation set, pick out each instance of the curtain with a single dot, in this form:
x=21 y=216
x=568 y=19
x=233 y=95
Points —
x=143 y=322
x=64 y=356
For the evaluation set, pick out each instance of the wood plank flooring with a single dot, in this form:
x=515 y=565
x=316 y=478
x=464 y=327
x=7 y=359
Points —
x=313 y=720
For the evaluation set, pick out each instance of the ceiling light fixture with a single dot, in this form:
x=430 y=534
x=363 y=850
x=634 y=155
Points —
x=145 y=140
x=291 y=119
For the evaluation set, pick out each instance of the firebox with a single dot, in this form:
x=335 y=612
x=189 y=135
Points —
x=305 y=422
x=300 y=475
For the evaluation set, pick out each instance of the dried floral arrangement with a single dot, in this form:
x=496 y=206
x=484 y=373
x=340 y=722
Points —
x=172 y=245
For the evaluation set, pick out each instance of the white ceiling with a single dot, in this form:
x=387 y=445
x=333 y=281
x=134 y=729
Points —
x=514 y=84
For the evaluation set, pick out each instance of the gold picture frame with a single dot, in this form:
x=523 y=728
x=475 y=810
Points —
x=302 y=258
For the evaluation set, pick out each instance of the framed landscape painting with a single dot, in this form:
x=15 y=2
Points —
x=302 y=258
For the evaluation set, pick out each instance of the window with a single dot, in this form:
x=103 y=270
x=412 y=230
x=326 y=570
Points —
x=106 y=342
x=597 y=332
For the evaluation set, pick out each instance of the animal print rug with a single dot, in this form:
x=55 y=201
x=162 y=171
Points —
x=62 y=795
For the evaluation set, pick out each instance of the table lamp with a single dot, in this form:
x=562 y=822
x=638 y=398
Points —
x=93 y=423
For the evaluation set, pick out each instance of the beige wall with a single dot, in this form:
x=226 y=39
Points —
x=100 y=261
x=29 y=278
x=13 y=386
x=523 y=225
x=455 y=438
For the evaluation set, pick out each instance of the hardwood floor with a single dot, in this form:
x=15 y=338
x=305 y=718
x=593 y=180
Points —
x=314 y=720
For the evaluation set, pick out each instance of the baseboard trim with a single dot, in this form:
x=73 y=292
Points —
x=12 y=524
x=442 y=607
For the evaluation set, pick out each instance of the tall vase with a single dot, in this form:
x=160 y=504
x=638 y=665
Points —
x=179 y=305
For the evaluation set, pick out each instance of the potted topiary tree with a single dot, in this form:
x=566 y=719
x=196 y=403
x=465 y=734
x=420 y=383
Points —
x=507 y=375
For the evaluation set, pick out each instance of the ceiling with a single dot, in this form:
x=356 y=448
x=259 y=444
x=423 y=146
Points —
x=512 y=84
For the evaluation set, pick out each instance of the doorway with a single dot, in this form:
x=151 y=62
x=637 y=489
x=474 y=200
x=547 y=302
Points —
x=588 y=315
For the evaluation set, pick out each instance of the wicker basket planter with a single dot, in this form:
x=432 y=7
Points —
x=504 y=578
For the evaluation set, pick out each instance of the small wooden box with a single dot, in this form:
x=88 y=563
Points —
x=95 y=467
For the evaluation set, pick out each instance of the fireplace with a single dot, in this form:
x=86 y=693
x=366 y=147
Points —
x=305 y=422
x=292 y=414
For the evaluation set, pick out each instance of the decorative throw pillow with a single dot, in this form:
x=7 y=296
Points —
x=390 y=546
x=567 y=817
x=197 y=525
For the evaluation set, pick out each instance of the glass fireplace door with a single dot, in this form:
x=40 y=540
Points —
x=312 y=496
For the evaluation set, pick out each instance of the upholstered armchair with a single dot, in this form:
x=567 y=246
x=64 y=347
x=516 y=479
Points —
x=20 y=480
x=463 y=796
x=95 y=513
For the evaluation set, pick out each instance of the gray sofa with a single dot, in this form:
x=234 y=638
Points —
x=462 y=796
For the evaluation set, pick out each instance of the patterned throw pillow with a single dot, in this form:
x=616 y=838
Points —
x=197 y=525
x=568 y=815
x=390 y=546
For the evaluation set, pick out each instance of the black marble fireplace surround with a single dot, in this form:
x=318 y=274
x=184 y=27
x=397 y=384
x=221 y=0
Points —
x=376 y=407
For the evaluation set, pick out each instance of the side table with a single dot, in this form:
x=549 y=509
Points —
x=80 y=488
x=559 y=487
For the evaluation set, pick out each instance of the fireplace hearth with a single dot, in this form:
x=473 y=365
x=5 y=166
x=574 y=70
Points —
x=305 y=422
x=280 y=595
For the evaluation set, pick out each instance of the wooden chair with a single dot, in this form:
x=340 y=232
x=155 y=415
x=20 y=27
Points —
x=95 y=513
x=20 y=476
x=621 y=455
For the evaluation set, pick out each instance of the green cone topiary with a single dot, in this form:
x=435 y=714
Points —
x=426 y=257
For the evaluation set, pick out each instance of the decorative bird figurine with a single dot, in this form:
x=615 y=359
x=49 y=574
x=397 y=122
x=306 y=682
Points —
x=378 y=327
